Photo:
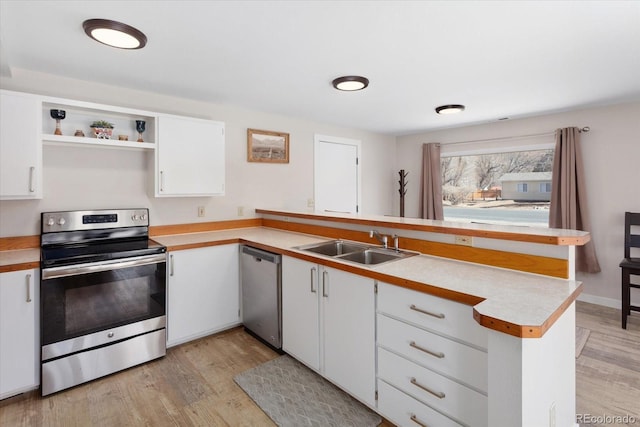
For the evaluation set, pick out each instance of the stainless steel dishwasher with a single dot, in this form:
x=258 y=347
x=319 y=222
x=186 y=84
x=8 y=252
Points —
x=261 y=275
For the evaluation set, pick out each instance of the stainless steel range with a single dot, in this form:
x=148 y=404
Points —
x=102 y=294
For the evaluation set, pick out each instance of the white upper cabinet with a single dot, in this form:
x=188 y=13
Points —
x=189 y=157
x=20 y=147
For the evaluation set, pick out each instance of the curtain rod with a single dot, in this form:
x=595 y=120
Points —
x=583 y=129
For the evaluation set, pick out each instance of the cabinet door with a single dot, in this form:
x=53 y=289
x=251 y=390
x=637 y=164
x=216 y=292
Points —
x=190 y=157
x=20 y=147
x=300 y=311
x=348 y=313
x=203 y=292
x=19 y=332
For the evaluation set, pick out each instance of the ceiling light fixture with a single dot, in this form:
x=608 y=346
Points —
x=115 y=34
x=350 y=83
x=450 y=109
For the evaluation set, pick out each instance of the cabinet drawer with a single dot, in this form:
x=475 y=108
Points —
x=453 y=399
x=446 y=317
x=405 y=411
x=440 y=354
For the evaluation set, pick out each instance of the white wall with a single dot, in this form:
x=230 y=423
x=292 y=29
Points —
x=611 y=152
x=79 y=178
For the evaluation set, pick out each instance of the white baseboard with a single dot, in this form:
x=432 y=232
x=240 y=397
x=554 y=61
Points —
x=594 y=299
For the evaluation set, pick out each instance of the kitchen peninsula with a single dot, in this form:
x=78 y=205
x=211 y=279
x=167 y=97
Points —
x=511 y=293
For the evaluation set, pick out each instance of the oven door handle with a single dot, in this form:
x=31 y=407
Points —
x=94 y=267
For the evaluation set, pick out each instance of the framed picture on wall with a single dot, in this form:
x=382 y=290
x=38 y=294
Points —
x=267 y=146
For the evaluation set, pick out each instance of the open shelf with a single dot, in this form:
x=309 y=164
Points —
x=62 y=140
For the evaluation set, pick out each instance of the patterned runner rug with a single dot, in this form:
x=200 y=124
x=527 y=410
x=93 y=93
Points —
x=293 y=395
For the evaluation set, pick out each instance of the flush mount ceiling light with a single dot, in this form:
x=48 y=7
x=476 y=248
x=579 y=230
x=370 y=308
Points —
x=450 y=109
x=350 y=83
x=115 y=34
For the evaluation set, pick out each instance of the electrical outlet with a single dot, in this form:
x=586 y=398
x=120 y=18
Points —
x=200 y=211
x=464 y=240
x=240 y=210
x=311 y=203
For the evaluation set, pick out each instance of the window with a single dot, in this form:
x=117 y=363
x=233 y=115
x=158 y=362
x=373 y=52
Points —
x=494 y=187
x=545 y=187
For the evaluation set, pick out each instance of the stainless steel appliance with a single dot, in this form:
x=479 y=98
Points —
x=102 y=289
x=261 y=274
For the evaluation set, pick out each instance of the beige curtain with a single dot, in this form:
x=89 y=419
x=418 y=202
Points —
x=431 y=183
x=569 y=195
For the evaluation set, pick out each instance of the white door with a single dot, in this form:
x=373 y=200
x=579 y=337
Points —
x=19 y=332
x=203 y=292
x=336 y=174
x=20 y=147
x=190 y=157
x=348 y=313
x=300 y=311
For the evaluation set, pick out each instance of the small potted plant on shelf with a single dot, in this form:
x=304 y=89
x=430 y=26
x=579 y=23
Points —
x=102 y=129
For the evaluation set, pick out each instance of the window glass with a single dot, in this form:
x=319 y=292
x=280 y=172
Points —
x=498 y=188
x=545 y=187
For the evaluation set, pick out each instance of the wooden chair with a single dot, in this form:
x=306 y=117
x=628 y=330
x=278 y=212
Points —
x=630 y=266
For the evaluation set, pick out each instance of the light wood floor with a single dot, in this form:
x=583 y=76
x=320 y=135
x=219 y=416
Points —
x=608 y=369
x=193 y=384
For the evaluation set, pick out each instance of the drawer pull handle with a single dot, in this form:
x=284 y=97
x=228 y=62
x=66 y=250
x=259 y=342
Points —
x=438 y=394
x=419 y=310
x=438 y=354
x=417 y=421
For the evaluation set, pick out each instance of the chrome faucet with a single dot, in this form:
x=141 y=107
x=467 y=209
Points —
x=382 y=239
x=396 y=243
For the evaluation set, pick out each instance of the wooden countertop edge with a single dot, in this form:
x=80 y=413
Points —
x=526 y=331
x=20 y=266
x=489 y=234
x=203 y=244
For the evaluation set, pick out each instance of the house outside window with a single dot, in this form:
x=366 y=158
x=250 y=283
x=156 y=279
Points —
x=526 y=186
x=498 y=187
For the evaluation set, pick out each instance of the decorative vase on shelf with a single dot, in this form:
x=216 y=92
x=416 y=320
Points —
x=140 y=127
x=102 y=129
x=58 y=115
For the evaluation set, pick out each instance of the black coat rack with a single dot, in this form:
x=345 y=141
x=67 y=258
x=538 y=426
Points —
x=403 y=189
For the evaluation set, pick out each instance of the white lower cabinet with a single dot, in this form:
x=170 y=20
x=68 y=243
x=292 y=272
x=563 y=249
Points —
x=203 y=292
x=328 y=324
x=432 y=360
x=19 y=332
x=405 y=411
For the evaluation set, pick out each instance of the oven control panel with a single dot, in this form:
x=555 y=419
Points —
x=94 y=220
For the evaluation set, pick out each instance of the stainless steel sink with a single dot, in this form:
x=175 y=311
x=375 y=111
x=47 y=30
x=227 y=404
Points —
x=334 y=247
x=359 y=253
x=376 y=256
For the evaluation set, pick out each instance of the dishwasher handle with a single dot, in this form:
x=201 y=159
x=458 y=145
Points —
x=261 y=255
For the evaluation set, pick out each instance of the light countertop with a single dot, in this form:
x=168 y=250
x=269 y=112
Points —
x=528 y=303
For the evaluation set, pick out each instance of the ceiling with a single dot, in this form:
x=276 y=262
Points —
x=500 y=59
